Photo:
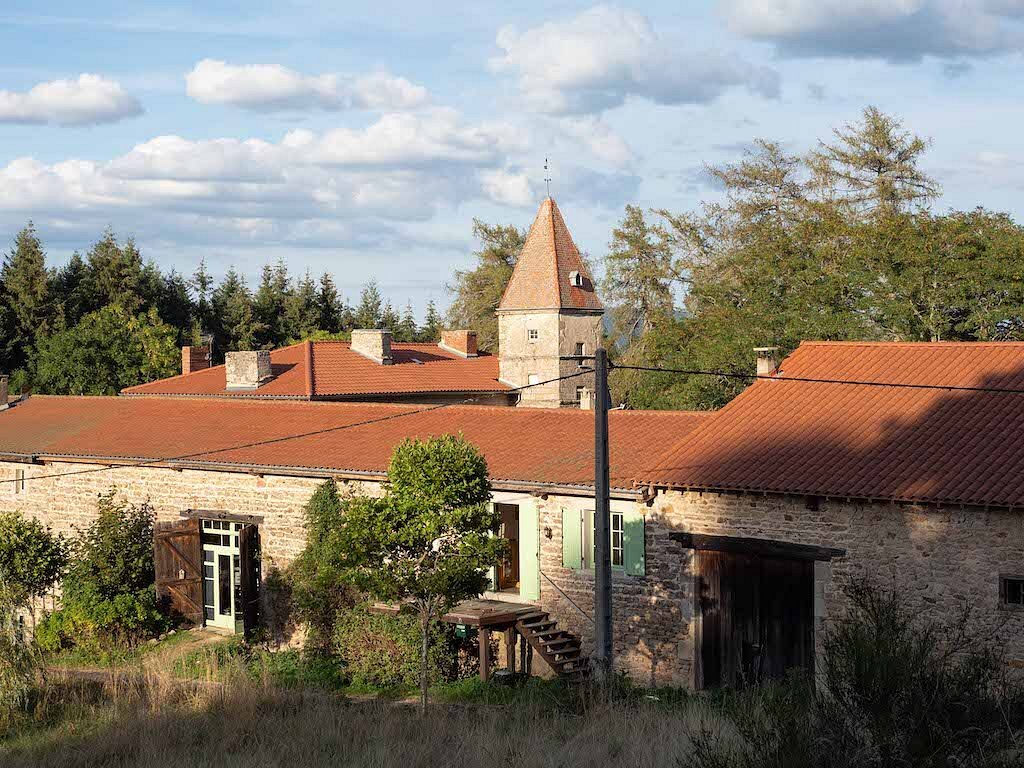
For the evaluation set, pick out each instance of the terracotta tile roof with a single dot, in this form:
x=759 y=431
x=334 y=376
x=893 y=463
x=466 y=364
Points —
x=541 y=277
x=520 y=444
x=338 y=372
x=868 y=442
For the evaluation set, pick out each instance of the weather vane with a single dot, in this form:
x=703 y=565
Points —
x=547 y=176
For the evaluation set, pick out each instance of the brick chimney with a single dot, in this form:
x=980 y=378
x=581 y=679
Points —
x=462 y=343
x=247 y=370
x=373 y=343
x=195 y=358
x=3 y=392
x=767 y=360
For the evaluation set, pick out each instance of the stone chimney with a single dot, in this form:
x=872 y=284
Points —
x=247 y=370
x=195 y=358
x=373 y=344
x=3 y=392
x=586 y=399
x=767 y=360
x=462 y=343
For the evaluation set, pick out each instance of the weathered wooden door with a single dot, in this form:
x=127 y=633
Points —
x=756 y=617
x=249 y=577
x=177 y=562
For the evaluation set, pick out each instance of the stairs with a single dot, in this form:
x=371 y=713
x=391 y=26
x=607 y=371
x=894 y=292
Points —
x=558 y=647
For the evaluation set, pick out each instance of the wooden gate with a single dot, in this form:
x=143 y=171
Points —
x=756 y=617
x=178 y=562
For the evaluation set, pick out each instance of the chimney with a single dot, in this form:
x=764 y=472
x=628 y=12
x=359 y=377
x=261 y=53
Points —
x=767 y=360
x=3 y=393
x=195 y=358
x=247 y=370
x=586 y=399
x=462 y=343
x=373 y=344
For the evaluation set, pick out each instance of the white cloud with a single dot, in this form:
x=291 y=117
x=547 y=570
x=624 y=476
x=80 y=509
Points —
x=605 y=55
x=272 y=87
x=507 y=187
x=896 y=30
x=89 y=100
x=599 y=138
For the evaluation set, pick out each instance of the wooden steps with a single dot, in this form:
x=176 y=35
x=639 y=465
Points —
x=559 y=648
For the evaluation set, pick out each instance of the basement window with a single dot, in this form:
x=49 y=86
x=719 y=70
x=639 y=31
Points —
x=1011 y=592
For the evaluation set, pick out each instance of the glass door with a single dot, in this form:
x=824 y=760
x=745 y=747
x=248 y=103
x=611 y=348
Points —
x=222 y=604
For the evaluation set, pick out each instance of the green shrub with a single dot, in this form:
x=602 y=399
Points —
x=286 y=669
x=383 y=651
x=108 y=596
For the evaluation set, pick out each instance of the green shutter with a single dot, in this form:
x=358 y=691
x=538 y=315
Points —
x=572 y=547
x=529 y=552
x=589 y=535
x=633 y=548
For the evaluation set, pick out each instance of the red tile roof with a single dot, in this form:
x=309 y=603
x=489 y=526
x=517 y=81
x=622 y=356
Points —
x=338 y=372
x=520 y=444
x=541 y=277
x=868 y=442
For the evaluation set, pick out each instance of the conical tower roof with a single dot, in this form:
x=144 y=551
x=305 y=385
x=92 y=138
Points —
x=543 y=277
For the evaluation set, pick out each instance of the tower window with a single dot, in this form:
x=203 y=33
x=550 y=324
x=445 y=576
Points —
x=576 y=279
x=532 y=379
x=532 y=334
x=581 y=349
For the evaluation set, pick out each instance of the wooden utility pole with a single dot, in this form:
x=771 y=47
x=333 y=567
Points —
x=602 y=658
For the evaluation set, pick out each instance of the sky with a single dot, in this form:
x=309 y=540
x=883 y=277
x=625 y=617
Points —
x=364 y=138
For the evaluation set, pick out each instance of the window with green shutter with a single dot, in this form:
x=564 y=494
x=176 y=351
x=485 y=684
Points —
x=627 y=540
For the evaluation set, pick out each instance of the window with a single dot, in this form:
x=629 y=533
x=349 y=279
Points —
x=579 y=394
x=532 y=334
x=533 y=378
x=19 y=480
x=575 y=279
x=1011 y=592
x=581 y=349
x=627 y=540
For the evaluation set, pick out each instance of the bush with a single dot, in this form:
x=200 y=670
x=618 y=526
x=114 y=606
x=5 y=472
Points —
x=285 y=669
x=383 y=651
x=17 y=661
x=108 y=596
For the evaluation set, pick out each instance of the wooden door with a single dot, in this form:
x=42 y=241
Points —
x=756 y=618
x=177 y=562
x=249 y=562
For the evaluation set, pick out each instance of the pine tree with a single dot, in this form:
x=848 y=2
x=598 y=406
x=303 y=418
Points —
x=201 y=286
x=389 y=318
x=25 y=284
x=302 y=311
x=67 y=285
x=235 y=326
x=432 y=324
x=368 y=313
x=406 y=328
x=113 y=274
x=269 y=305
x=329 y=306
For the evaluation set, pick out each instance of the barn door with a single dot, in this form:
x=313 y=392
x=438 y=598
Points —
x=756 y=617
x=249 y=577
x=177 y=562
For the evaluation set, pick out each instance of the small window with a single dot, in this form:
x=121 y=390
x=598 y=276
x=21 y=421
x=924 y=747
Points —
x=581 y=349
x=1011 y=592
x=579 y=394
x=533 y=378
x=532 y=334
x=19 y=481
x=576 y=279
x=617 y=540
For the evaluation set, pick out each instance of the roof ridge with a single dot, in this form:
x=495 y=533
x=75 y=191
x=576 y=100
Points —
x=554 y=250
x=868 y=343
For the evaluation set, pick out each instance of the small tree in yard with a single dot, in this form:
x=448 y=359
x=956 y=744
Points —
x=430 y=541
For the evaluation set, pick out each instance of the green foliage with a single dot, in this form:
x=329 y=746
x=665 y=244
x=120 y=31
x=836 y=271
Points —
x=18 y=663
x=835 y=245
x=318 y=578
x=32 y=557
x=285 y=669
x=106 y=351
x=383 y=651
x=478 y=291
x=108 y=594
x=25 y=290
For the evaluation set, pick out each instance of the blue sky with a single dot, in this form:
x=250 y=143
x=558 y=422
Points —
x=364 y=140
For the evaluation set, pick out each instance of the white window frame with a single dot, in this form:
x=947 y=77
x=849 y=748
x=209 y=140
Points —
x=587 y=542
x=19 y=481
x=532 y=378
x=532 y=335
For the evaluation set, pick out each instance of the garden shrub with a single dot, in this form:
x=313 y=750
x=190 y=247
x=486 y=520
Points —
x=108 y=596
x=382 y=651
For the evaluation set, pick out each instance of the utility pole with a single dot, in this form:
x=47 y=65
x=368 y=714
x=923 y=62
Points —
x=602 y=658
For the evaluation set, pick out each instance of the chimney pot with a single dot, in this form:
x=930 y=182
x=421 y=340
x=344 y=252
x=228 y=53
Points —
x=767 y=360
x=247 y=370
x=462 y=343
x=195 y=358
x=373 y=344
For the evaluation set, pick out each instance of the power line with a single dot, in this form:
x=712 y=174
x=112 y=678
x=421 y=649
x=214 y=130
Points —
x=809 y=380
x=296 y=436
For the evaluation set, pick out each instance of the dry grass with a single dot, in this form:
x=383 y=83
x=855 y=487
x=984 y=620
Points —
x=154 y=721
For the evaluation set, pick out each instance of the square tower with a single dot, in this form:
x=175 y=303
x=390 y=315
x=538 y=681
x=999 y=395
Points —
x=549 y=316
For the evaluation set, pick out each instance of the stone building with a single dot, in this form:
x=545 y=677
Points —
x=549 y=322
x=732 y=531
